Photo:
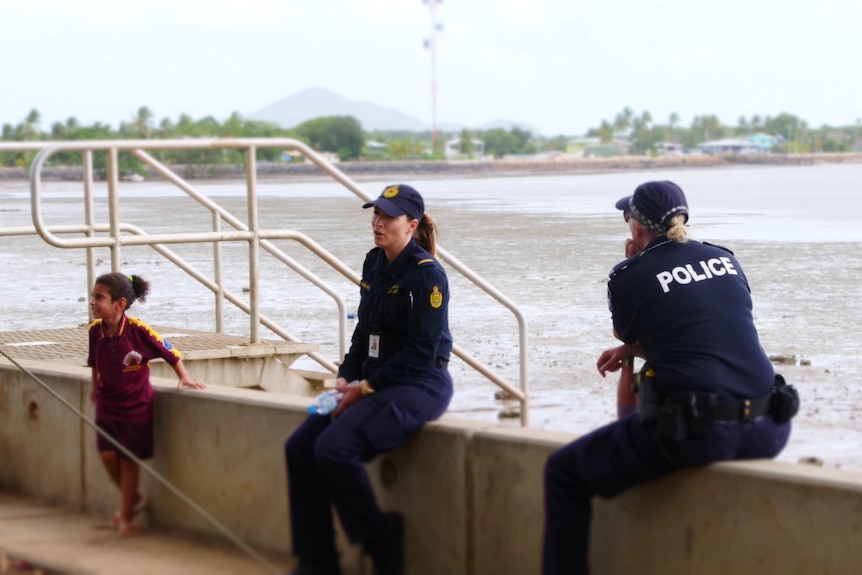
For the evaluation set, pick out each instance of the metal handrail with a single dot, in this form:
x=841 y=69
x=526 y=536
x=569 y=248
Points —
x=251 y=233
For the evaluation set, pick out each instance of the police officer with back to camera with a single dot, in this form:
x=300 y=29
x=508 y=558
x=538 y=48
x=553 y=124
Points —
x=394 y=379
x=707 y=391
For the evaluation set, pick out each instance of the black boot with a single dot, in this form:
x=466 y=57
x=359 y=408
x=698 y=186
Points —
x=387 y=546
x=317 y=568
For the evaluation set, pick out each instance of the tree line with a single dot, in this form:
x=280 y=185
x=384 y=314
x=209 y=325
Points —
x=344 y=136
x=793 y=133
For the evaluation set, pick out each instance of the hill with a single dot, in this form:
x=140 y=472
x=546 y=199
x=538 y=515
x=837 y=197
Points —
x=318 y=102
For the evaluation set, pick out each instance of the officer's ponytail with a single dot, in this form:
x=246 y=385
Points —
x=426 y=234
x=677 y=231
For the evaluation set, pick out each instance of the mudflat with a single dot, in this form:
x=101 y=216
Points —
x=547 y=242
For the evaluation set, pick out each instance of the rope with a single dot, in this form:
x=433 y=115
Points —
x=155 y=474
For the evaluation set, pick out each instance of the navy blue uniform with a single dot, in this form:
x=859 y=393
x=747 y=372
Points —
x=689 y=306
x=403 y=321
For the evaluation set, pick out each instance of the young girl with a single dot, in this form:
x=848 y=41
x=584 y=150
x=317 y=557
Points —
x=120 y=350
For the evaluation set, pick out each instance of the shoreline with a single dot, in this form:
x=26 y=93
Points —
x=460 y=169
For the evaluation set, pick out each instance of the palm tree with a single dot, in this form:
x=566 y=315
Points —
x=31 y=123
x=623 y=121
x=465 y=143
x=143 y=120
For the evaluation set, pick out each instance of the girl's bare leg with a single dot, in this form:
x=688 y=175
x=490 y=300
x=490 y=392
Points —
x=129 y=479
x=111 y=461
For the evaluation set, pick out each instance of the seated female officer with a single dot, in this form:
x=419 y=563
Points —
x=685 y=307
x=398 y=356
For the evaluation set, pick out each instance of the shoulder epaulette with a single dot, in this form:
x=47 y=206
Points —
x=719 y=247
x=423 y=256
x=625 y=264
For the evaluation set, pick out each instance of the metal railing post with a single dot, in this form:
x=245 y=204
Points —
x=253 y=243
x=114 y=207
x=217 y=261
x=90 y=222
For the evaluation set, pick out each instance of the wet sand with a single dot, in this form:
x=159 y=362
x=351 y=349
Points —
x=554 y=266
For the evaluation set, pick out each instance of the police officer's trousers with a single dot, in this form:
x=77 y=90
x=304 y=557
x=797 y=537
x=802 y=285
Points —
x=622 y=455
x=326 y=456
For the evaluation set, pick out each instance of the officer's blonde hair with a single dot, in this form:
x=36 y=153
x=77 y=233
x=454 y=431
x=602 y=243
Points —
x=677 y=231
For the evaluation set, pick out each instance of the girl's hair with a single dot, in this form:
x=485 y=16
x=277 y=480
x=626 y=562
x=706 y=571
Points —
x=426 y=234
x=677 y=231
x=119 y=285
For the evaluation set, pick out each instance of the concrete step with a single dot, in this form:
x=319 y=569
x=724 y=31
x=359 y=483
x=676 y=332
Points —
x=35 y=536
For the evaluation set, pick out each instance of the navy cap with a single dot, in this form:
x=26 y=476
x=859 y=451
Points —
x=398 y=200
x=654 y=204
x=623 y=203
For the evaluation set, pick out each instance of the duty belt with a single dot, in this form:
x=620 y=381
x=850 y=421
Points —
x=440 y=362
x=744 y=409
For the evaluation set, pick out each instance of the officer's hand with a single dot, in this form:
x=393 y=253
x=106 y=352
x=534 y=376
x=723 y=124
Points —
x=352 y=394
x=633 y=248
x=612 y=359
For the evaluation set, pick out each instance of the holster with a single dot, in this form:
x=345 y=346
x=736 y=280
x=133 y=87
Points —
x=679 y=415
x=784 y=403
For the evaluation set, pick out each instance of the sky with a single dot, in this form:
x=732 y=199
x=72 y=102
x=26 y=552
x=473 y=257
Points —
x=554 y=66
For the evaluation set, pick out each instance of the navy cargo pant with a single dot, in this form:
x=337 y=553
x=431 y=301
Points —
x=622 y=455
x=325 y=461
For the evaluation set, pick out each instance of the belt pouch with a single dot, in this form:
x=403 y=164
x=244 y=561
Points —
x=784 y=403
x=671 y=423
x=699 y=410
x=649 y=404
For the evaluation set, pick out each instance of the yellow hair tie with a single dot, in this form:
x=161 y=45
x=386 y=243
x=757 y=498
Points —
x=131 y=279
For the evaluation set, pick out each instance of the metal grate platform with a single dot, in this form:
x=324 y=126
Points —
x=70 y=345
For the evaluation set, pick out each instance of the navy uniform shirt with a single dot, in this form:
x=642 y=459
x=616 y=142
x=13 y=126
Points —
x=689 y=306
x=406 y=305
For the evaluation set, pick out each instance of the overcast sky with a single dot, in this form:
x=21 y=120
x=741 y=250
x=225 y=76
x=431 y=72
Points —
x=558 y=66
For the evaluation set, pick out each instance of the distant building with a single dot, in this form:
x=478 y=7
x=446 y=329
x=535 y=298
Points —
x=668 y=149
x=452 y=149
x=374 y=146
x=764 y=142
x=729 y=146
x=594 y=148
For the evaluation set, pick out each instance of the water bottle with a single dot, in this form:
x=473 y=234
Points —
x=326 y=402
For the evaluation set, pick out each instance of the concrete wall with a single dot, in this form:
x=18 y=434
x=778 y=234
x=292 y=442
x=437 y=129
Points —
x=471 y=491
x=269 y=373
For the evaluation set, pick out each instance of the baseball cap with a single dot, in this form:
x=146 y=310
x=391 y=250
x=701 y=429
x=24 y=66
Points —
x=654 y=204
x=400 y=199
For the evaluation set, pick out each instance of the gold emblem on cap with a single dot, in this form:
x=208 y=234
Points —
x=436 y=298
x=390 y=192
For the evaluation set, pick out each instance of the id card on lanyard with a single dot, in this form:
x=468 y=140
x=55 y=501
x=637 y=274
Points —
x=374 y=345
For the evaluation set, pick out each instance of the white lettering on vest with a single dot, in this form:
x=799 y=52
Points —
x=712 y=268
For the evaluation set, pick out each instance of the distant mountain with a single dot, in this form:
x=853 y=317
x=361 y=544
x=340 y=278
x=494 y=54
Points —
x=319 y=102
